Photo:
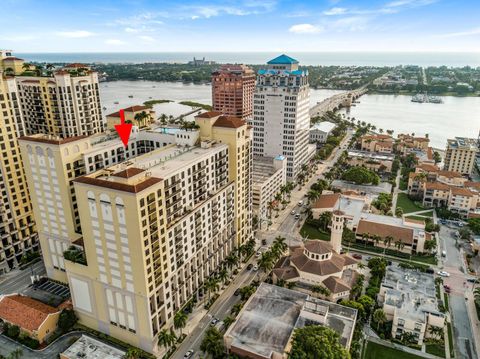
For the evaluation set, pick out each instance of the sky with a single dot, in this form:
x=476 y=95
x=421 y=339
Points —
x=240 y=25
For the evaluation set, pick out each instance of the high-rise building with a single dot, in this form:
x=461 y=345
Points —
x=281 y=118
x=65 y=103
x=232 y=90
x=152 y=229
x=460 y=155
x=17 y=227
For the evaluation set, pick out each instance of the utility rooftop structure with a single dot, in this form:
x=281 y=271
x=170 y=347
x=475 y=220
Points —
x=89 y=348
x=409 y=300
x=265 y=325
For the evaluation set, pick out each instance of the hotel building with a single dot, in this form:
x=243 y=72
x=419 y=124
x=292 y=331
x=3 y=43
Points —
x=232 y=90
x=150 y=228
x=460 y=155
x=281 y=119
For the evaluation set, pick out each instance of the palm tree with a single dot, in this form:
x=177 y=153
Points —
x=180 y=320
x=376 y=239
x=279 y=242
x=325 y=219
x=166 y=338
x=266 y=262
x=379 y=317
x=132 y=353
x=232 y=260
x=228 y=321
x=312 y=196
x=223 y=275
x=211 y=284
x=16 y=354
x=476 y=294
x=9 y=71
x=399 y=244
x=387 y=243
x=26 y=66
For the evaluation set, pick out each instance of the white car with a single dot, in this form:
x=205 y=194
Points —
x=255 y=267
x=188 y=354
x=292 y=212
x=258 y=254
x=300 y=203
x=442 y=273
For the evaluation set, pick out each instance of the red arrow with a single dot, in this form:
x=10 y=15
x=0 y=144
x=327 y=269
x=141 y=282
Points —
x=123 y=129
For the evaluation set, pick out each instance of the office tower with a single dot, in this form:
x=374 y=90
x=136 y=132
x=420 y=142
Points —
x=460 y=155
x=281 y=118
x=153 y=228
x=17 y=227
x=232 y=91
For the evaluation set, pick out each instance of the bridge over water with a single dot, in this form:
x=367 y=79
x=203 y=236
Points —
x=335 y=102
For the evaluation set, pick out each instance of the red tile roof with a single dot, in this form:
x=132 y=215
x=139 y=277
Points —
x=12 y=58
x=129 y=172
x=336 y=285
x=457 y=191
x=384 y=230
x=437 y=186
x=318 y=247
x=327 y=201
x=450 y=174
x=76 y=65
x=25 y=312
x=427 y=167
x=135 y=108
x=229 y=122
x=209 y=114
x=131 y=188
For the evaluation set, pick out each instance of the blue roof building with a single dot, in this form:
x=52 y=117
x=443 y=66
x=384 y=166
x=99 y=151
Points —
x=282 y=60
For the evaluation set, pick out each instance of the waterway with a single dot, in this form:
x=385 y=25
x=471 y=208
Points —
x=457 y=116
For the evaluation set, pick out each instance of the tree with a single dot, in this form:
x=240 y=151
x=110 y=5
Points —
x=355 y=305
x=315 y=341
x=212 y=343
x=211 y=284
x=361 y=175
x=166 y=338
x=325 y=220
x=26 y=66
x=13 y=331
x=228 y=321
x=223 y=275
x=321 y=290
x=436 y=157
x=474 y=225
x=399 y=211
x=16 y=354
x=408 y=338
x=180 y=320
x=379 y=317
x=266 y=262
x=67 y=320
x=312 y=195
x=247 y=291
x=133 y=353
x=430 y=245
x=279 y=243
x=367 y=303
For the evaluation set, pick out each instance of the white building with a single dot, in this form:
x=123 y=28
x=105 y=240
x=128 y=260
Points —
x=320 y=131
x=281 y=122
x=268 y=177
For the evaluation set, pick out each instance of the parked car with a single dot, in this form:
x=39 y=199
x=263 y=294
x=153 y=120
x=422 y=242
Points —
x=237 y=292
x=472 y=280
x=214 y=322
x=442 y=273
x=250 y=266
x=444 y=253
x=292 y=212
x=264 y=242
x=357 y=256
x=258 y=254
x=429 y=271
x=297 y=216
x=300 y=203
x=188 y=354
x=255 y=267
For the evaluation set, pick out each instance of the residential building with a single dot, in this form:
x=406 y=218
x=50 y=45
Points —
x=281 y=119
x=17 y=226
x=63 y=103
x=266 y=323
x=10 y=64
x=153 y=226
x=460 y=155
x=140 y=116
x=378 y=162
x=269 y=175
x=377 y=143
x=232 y=91
x=407 y=143
x=34 y=318
x=88 y=347
x=409 y=301
x=320 y=131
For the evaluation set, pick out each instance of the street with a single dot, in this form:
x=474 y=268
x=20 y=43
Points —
x=285 y=225
x=453 y=263
x=17 y=280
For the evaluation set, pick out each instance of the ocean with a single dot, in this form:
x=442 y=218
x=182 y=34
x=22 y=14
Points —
x=450 y=59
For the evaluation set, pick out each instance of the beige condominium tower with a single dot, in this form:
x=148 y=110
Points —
x=62 y=103
x=153 y=226
x=17 y=227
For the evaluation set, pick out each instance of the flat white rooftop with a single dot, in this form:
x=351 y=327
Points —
x=323 y=126
x=87 y=347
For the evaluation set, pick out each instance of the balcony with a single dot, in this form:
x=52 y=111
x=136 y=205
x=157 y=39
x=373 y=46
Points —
x=76 y=255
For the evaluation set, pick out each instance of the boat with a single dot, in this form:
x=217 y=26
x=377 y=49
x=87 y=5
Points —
x=130 y=96
x=420 y=98
x=434 y=99
x=116 y=103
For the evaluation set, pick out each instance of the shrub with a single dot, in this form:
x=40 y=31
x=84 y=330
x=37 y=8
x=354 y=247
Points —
x=13 y=331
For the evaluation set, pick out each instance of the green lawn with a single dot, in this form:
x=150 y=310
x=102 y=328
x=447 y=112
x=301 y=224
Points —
x=377 y=351
x=404 y=257
x=311 y=232
x=403 y=184
x=407 y=204
x=416 y=217
x=435 y=349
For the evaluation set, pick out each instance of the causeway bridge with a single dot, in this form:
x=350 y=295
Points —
x=337 y=101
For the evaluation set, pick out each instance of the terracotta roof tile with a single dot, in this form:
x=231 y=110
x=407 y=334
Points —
x=457 y=191
x=76 y=65
x=450 y=174
x=384 y=230
x=209 y=114
x=25 y=312
x=437 y=186
x=427 y=167
x=327 y=201
x=229 y=122
x=129 y=172
x=132 y=188
x=336 y=285
x=318 y=247
x=470 y=184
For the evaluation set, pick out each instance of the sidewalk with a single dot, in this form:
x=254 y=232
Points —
x=475 y=323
